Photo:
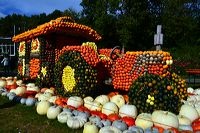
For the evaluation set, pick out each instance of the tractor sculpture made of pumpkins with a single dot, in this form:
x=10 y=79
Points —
x=144 y=76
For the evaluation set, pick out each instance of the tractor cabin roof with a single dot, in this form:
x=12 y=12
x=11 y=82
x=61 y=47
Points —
x=64 y=25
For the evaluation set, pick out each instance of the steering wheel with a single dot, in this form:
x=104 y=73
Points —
x=114 y=55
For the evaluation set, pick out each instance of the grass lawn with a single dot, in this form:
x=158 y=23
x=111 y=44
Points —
x=15 y=118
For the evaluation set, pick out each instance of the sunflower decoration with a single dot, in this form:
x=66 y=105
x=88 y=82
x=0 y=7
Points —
x=21 y=49
x=68 y=79
x=44 y=71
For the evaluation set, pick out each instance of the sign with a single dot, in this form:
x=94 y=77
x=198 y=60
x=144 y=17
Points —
x=158 y=38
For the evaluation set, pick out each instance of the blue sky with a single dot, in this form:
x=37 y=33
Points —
x=31 y=7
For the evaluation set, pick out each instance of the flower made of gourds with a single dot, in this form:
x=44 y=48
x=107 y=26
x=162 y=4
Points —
x=44 y=71
x=68 y=79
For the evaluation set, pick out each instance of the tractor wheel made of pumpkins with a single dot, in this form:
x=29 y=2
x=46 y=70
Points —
x=76 y=72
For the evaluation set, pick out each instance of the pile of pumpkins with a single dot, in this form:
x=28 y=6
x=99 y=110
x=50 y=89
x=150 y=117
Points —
x=105 y=113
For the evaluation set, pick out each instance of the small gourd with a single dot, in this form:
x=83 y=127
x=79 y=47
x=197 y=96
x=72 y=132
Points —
x=103 y=99
x=144 y=120
x=94 y=119
x=90 y=128
x=23 y=101
x=63 y=116
x=76 y=122
x=110 y=129
x=120 y=125
x=136 y=129
x=42 y=107
x=128 y=110
x=189 y=111
x=110 y=108
x=53 y=112
x=75 y=101
x=30 y=101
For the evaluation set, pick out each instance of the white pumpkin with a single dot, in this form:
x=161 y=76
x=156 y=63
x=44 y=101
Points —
x=2 y=83
x=90 y=128
x=63 y=116
x=53 y=112
x=75 y=101
x=30 y=101
x=165 y=119
x=128 y=110
x=44 y=97
x=52 y=99
x=13 y=91
x=198 y=109
x=109 y=129
x=4 y=93
x=102 y=99
x=88 y=102
x=190 y=90
x=10 y=82
x=197 y=91
x=19 y=82
x=183 y=120
x=49 y=91
x=189 y=111
x=96 y=106
x=76 y=122
x=118 y=100
x=42 y=107
x=20 y=90
x=23 y=101
x=30 y=85
x=110 y=108
x=34 y=88
x=144 y=121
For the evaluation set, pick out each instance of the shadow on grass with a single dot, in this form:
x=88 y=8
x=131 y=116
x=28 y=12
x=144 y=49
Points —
x=8 y=104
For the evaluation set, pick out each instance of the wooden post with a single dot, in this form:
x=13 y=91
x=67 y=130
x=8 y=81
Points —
x=158 y=38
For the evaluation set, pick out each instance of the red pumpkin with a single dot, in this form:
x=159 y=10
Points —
x=113 y=117
x=160 y=129
x=30 y=93
x=71 y=107
x=196 y=125
x=130 y=121
x=82 y=109
x=58 y=101
x=103 y=116
x=174 y=130
x=196 y=122
x=95 y=112
x=13 y=86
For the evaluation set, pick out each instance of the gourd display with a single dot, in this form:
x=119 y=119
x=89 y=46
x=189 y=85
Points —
x=76 y=72
x=153 y=92
x=134 y=64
